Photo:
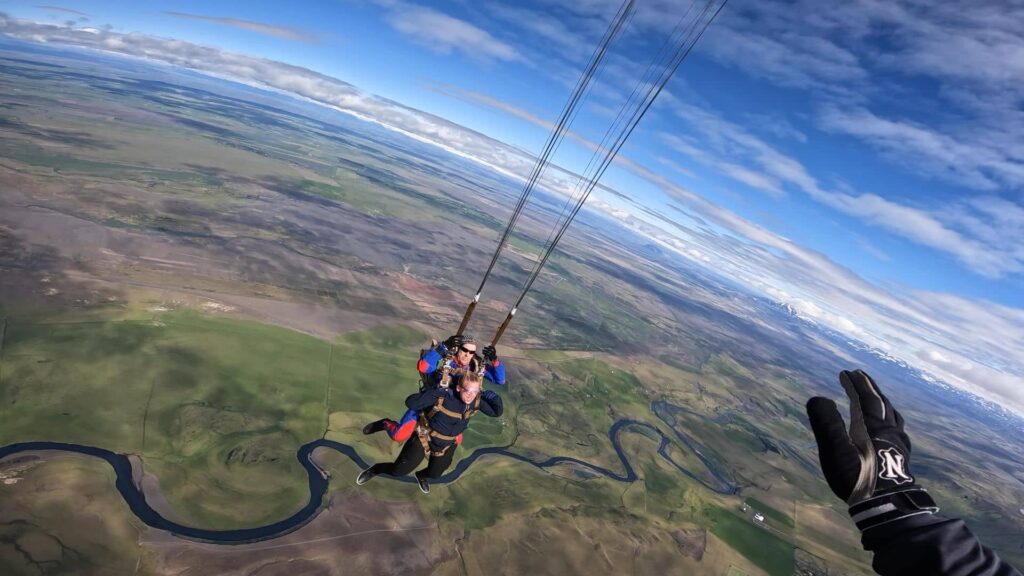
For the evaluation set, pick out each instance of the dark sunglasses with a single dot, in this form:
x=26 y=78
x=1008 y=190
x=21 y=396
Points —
x=464 y=349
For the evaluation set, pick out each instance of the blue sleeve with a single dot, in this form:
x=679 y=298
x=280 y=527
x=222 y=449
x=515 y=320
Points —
x=430 y=360
x=495 y=373
x=491 y=404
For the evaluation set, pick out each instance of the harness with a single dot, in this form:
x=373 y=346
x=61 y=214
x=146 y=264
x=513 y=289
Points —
x=425 y=432
x=448 y=371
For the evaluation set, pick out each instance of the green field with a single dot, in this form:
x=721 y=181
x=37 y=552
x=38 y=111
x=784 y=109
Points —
x=66 y=517
x=769 y=512
x=769 y=552
x=216 y=407
x=133 y=200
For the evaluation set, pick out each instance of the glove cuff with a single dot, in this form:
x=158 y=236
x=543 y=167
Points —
x=884 y=508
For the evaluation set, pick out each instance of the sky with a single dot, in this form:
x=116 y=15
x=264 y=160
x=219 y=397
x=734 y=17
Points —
x=860 y=161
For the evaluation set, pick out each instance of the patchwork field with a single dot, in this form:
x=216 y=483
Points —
x=206 y=277
x=216 y=407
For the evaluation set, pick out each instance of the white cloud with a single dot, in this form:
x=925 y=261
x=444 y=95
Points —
x=971 y=344
x=776 y=125
x=286 y=32
x=936 y=154
x=62 y=10
x=989 y=260
x=873 y=250
x=444 y=34
x=949 y=75
x=971 y=234
x=572 y=43
x=790 y=59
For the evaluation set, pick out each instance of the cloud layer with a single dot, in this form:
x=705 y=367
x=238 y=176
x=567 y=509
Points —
x=445 y=34
x=937 y=86
x=976 y=345
x=259 y=27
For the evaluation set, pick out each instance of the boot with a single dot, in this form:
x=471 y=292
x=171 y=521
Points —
x=373 y=427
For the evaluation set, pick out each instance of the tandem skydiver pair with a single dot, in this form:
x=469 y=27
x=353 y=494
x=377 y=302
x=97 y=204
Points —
x=451 y=377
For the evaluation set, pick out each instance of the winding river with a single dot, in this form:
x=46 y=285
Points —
x=318 y=482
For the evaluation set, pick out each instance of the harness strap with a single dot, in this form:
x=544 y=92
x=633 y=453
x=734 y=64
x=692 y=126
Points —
x=476 y=408
x=425 y=432
x=436 y=434
x=439 y=407
x=425 y=441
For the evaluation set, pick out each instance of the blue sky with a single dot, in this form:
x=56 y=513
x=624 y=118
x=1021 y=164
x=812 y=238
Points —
x=858 y=160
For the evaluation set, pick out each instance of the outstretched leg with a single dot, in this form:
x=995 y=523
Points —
x=399 y=431
x=403 y=429
x=408 y=459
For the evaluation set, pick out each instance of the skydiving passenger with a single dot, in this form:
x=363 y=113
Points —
x=444 y=414
x=430 y=367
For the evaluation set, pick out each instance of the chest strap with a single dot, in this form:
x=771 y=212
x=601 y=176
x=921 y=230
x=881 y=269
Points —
x=425 y=432
x=439 y=407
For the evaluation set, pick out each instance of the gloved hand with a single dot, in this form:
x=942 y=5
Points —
x=869 y=468
x=453 y=342
x=489 y=395
x=490 y=354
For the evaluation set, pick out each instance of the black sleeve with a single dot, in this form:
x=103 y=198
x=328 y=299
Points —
x=491 y=404
x=423 y=400
x=928 y=544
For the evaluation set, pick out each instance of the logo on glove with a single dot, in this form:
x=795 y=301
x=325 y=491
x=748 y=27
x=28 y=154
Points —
x=894 y=466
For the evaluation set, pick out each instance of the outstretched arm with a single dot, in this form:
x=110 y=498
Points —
x=491 y=404
x=932 y=545
x=495 y=371
x=869 y=468
x=424 y=400
x=430 y=360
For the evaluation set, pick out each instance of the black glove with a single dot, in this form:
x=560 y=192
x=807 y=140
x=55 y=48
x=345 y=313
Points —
x=453 y=342
x=869 y=468
x=489 y=354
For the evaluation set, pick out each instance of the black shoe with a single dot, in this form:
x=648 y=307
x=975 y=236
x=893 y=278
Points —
x=365 y=477
x=424 y=486
x=373 y=427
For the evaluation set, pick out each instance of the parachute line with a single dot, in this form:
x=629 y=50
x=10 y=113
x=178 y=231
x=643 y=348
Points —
x=682 y=48
x=554 y=139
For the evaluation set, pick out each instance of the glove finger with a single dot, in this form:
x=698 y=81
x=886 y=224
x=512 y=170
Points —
x=878 y=413
x=838 y=455
x=899 y=429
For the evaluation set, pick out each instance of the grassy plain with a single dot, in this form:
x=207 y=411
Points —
x=769 y=512
x=209 y=277
x=760 y=546
x=223 y=404
x=217 y=407
x=63 y=516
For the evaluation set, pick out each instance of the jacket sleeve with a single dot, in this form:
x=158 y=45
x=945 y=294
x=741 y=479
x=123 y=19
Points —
x=424 y=400
x=430 y=360
x=491 y=404
x=495 y=372
x=929 y=544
